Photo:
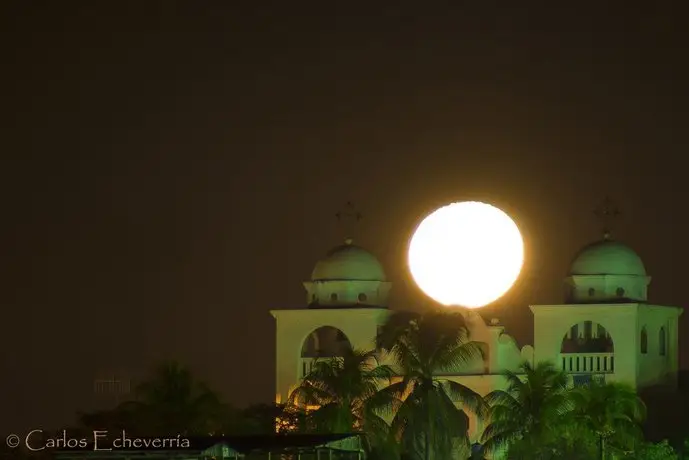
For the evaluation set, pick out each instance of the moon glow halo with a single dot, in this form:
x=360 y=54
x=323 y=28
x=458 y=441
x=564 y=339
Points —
x=466 y=254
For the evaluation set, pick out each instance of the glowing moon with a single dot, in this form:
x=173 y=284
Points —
x=467 y=254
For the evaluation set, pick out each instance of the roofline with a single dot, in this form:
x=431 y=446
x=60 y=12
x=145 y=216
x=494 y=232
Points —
x=276 y=313
x=347 y=279
x=678 y=310
x=570 y=274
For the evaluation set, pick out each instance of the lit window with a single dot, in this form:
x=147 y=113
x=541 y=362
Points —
x=362 y=297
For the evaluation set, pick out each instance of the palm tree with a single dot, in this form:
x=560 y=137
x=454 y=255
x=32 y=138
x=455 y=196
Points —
x=427 y=421
x=527 y=414
x=340 y=390
x=611 y=412
x=174 y=402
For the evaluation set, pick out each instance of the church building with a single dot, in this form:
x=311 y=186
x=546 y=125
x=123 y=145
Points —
x=604 y=329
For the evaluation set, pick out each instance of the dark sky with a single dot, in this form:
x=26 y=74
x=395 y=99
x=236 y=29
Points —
x=171 y=170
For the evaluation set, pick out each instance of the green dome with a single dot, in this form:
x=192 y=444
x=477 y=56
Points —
x=348 y=263
x=607 y=257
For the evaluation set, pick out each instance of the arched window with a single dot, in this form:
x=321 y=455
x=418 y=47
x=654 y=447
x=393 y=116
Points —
x=591 y=292
x=362 y=297
x=662 y=346
x=325 y=342
x=333 y=297
x=644 y=341
x=587 y=337
x=620 y=292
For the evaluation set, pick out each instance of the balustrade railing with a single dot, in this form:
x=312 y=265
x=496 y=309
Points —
x=588 y=363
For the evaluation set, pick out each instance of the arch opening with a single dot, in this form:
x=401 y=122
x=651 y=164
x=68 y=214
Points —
x=587 y=337
x=325 y=342
x=587 y=351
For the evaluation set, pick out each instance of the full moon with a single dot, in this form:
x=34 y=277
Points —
x=466 y=254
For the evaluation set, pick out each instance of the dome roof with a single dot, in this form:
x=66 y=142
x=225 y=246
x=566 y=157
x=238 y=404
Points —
x=348 y=262
x=607 y=257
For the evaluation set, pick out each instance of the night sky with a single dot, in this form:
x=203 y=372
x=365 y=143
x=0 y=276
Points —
x=171 y=170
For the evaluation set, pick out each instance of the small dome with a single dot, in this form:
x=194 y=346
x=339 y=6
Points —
x=607 y=257
x=349 y=263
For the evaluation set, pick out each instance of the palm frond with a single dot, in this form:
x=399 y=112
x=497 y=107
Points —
x=467 y=397
x=530 y=409
x=395 y=328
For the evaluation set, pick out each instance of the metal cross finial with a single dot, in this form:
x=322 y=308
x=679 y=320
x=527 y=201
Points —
x=348 y=216
x=606 y=212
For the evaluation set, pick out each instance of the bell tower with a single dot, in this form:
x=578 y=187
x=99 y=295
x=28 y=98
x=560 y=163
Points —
x=606 y=329
x=346 y=301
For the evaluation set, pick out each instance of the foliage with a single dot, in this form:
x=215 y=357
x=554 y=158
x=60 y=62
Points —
x=111 y=420
x=260 y=419
x=586 y=422
x=563 y=448
x=426 y=420
x=612 y=413
x=171 y=402
x=291 y=419
x=344 y=391
x=527 y=415
x=655 y=451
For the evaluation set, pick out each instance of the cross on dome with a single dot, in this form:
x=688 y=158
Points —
x=606 y=212
x=348 y=217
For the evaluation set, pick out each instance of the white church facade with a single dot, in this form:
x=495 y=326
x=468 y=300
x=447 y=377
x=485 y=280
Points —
x=605 y=329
